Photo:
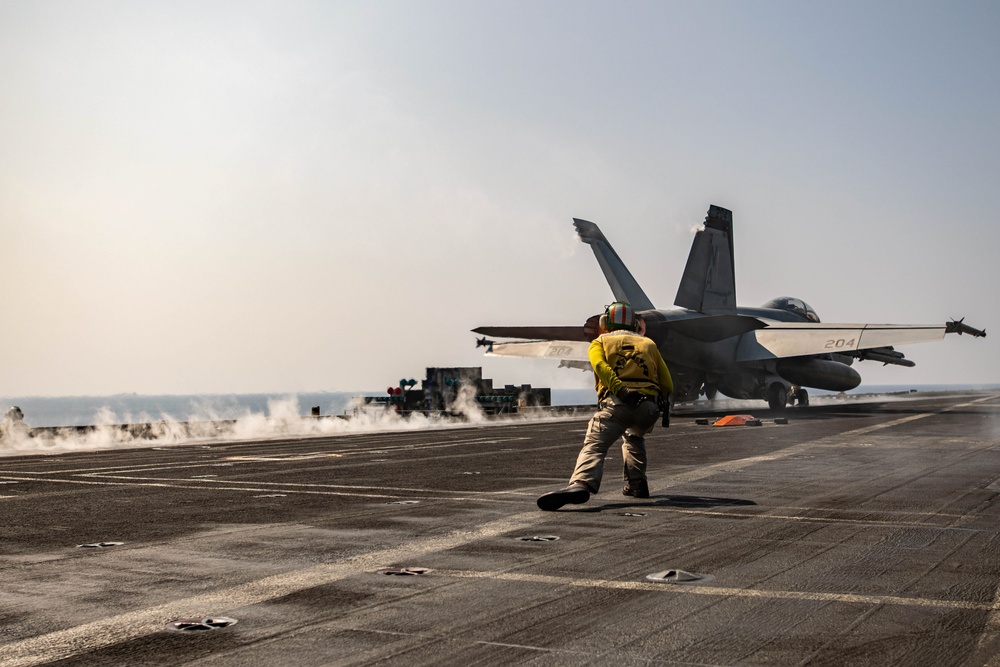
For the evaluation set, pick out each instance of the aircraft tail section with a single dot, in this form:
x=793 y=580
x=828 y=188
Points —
x=709 y=281
x=623 y=285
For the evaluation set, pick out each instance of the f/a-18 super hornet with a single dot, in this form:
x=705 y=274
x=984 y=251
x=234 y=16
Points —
x=711 y=345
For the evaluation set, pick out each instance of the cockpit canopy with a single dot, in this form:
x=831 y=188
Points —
x=797 y=306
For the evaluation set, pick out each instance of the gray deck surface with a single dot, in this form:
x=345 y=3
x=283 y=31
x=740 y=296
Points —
x=861 y=534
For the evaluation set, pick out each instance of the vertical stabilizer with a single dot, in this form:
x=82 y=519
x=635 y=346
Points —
x=709 y=282
x=623 y=285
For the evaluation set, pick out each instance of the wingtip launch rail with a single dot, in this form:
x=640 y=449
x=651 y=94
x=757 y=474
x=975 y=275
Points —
x=959 y=327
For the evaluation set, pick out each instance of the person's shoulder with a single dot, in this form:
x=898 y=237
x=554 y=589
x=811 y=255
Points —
x=646 y=340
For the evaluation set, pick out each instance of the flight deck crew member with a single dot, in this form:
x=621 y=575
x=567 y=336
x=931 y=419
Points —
x=632 y=384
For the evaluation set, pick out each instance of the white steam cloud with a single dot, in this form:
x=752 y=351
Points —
x=206 y=424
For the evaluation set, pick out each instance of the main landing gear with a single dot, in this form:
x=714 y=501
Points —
x=801 y=396
x=777 y=397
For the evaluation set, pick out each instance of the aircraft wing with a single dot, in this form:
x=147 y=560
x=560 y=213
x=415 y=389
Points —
x=783 y=339
x=538 y=333
x=564 y=350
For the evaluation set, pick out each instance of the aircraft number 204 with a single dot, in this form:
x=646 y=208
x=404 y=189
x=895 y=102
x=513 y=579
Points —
x=838 y=343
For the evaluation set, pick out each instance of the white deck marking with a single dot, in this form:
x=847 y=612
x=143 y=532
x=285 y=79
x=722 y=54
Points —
x=209 y=484
x=229 y=456
x=721 y=591
x=282 y=457
x=875 y=523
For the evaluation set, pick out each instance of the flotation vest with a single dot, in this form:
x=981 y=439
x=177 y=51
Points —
x=633 y=359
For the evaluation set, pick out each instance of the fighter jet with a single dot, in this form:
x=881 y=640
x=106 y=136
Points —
x=711 y=345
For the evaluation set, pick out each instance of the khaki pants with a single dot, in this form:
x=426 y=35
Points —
x=613 y=420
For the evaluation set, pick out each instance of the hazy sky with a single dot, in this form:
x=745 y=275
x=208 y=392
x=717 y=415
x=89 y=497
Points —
x=281 y=196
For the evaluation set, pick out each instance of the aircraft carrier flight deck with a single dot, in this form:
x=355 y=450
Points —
x=863 y=533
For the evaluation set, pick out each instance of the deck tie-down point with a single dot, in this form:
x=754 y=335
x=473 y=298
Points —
x=404 y=571
x=678 y=577
x=201 y=624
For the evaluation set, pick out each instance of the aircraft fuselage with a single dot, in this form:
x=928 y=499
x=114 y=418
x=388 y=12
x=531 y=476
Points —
x=700 y=363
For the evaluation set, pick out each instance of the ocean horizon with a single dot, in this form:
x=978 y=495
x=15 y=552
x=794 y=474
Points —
x=56 y=411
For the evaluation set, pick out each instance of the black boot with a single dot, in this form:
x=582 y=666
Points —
x=637 y=488
x=573 y=494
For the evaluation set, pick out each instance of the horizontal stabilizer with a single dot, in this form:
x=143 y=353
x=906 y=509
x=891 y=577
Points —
x=623 y=285
x=565 y=350
x=782 y=339
x=536 y=333
x=714 y=328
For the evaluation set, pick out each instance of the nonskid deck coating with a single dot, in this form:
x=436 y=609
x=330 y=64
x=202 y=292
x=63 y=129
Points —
x=856 y=534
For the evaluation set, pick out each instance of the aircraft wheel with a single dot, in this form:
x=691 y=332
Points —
x=711 y=391
x=802 y=396
x=777 y=397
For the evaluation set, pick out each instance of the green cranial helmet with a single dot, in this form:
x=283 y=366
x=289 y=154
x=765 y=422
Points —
x=620 y=316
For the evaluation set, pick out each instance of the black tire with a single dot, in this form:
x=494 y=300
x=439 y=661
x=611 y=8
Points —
x=803 y=397
x=777 y=397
